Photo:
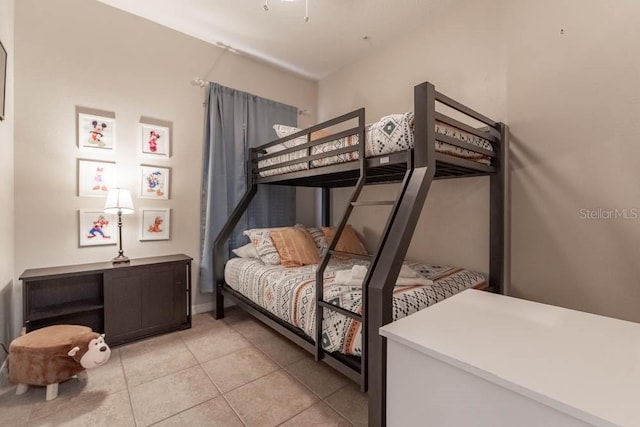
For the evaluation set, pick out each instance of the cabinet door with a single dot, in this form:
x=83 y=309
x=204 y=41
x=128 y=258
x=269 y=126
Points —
x=144 y=301
x=162 y=292
x=122 y=305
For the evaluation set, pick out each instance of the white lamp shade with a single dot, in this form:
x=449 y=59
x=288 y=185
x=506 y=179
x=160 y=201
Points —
x=119 y=200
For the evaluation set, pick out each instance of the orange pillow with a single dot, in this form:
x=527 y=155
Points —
x=295 y=246
x=349 y=240
x=319 y=134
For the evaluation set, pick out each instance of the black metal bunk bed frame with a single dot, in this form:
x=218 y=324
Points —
x=416 y=169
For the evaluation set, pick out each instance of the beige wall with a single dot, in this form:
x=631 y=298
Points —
x=7 y=251
x=461 y=51
x=572 y=102
x=83 y=53
x=574 y=112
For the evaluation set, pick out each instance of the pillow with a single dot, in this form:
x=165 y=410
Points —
x=318 y=237
x=246 y=251
x=284 y=130
x=349 y=240
x=261 y=239
x=295 y=246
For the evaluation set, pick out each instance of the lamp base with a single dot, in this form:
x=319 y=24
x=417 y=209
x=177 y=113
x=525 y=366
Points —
x=121 y=260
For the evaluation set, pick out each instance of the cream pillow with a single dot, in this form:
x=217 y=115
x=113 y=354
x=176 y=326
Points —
x=246 y=251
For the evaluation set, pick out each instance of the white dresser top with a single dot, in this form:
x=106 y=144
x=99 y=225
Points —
x=579 y=363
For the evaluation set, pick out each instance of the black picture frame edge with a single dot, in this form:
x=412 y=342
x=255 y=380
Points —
x=4 y=56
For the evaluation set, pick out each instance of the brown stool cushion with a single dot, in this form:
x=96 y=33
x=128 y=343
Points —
x=41 y=356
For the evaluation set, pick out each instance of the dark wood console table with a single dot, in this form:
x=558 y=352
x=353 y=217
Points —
x=148 y=297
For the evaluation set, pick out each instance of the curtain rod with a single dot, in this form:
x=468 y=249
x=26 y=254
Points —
x=203 y=83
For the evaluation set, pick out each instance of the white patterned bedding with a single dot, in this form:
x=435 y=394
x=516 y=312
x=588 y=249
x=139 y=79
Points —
x=289 y=293
x=388 y=135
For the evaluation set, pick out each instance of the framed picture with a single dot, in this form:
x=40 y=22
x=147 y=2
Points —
x=154 y=141
x=95 y=178
x=154 y=182
x=96 y=132
x=97 y=228
x=155 y=224
x=3 y=78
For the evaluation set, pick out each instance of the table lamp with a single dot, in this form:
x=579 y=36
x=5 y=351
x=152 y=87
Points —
x=119 y=202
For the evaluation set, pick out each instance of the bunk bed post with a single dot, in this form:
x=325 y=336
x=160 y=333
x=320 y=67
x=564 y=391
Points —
x=499 y=240
x=394 y=249
x=326 y=207
x=425 y=125
x=219 y=253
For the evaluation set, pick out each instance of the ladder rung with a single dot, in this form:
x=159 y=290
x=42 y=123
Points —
x=374 y=203
x=364 y=257
x=340 y=310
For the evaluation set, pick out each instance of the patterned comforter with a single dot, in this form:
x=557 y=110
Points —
x=289 y=293
x=388 y=135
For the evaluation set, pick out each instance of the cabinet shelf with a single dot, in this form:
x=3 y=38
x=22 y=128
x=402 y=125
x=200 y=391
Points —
x=65 y=309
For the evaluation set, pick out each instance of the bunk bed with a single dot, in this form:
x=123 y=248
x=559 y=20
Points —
x=432 y=145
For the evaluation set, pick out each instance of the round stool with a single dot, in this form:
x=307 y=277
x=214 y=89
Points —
x=41 y=358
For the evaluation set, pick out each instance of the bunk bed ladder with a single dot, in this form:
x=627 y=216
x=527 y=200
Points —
x=321 y=303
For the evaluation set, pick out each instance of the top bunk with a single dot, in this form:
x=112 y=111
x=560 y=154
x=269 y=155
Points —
x=331 y=154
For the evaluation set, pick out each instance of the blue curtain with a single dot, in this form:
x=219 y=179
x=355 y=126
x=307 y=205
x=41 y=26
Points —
x=234 y=122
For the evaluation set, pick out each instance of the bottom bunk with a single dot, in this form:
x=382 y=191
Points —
x=285 y=297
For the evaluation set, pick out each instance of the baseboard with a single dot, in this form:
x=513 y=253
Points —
x=202 y=308
x=4 y=374
x=209 y=306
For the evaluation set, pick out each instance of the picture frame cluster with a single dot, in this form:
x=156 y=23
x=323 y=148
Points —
x=97 y=173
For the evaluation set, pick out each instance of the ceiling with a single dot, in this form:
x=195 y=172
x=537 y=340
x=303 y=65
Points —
x=333 y=37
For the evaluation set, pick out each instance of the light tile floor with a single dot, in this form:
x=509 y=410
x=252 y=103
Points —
x=231 y=372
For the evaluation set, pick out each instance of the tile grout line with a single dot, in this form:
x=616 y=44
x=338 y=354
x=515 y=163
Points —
x=216 y=386
x=221 y=394
x=126 y=382
x=225 y=397
x=336 y=409
x=175 y=372
x=283 y=368
x=278 y=366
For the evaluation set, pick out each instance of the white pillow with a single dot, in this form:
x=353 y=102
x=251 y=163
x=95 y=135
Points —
x=284 y=130
x=275 y=148
x=246 y=251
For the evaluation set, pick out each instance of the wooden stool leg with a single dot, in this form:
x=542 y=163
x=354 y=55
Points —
x=52 y=391
x=22 y=389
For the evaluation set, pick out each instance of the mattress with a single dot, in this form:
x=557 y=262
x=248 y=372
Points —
x=289 y=294
x=390 y=134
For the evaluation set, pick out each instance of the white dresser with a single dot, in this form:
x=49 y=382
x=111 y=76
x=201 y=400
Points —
x=482 y=359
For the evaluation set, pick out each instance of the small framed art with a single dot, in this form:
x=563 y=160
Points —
x=96 y=132
x=154 y=182
x=96 y=228
x=155 y=141
x=95 y=177
x=155 y=224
